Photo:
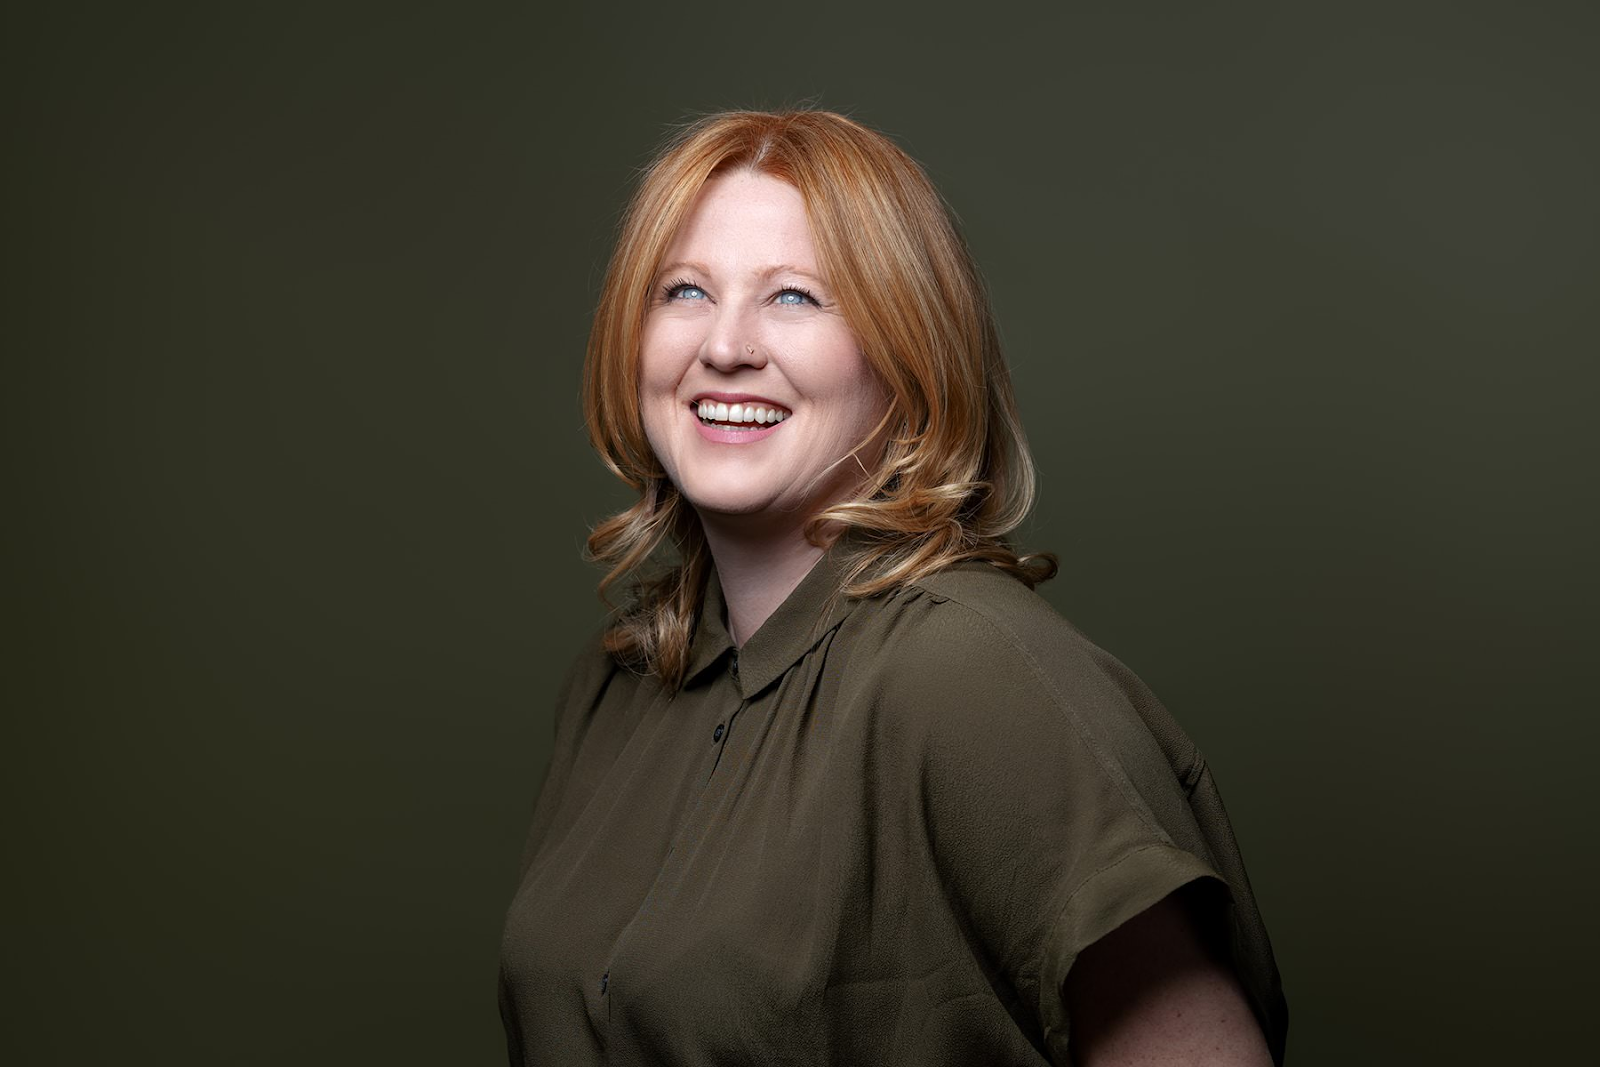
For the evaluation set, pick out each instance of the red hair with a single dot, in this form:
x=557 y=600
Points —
x=955 y=477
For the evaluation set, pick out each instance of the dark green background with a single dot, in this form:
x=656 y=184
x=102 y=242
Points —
x=1300 y=301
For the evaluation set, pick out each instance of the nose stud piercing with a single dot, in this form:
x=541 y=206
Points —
x=750 y=350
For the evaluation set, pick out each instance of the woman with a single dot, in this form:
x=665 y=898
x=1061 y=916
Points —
x=837 y=786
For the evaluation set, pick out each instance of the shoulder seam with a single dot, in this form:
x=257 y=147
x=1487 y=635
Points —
x=1107 y=765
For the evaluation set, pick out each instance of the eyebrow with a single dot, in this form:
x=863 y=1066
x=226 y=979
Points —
x=765 y=272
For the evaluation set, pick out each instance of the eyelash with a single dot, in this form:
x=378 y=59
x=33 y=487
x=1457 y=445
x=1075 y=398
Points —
x=670 y=290
x=801 y=290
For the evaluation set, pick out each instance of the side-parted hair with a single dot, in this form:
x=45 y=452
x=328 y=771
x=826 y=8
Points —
x=955 y=477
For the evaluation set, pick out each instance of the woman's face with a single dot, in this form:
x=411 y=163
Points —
x=751 y=384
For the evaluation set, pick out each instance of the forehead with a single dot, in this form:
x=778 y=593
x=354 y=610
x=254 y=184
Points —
x=743 y=219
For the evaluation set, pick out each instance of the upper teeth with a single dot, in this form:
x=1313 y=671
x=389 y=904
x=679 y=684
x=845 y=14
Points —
x=717 y=412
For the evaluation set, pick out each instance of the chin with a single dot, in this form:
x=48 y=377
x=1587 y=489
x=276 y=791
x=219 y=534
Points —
x=729 y=504
x=729 y=492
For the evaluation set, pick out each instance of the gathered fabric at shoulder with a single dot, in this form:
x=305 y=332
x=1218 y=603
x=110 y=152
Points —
x=883 y=838
x=1064 y=799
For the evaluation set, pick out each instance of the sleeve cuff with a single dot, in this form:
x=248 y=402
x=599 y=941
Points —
x=1101 y=903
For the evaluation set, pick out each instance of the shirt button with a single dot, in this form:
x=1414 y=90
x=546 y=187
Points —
x=734 y=665
x=604 y=978
x=716 y=735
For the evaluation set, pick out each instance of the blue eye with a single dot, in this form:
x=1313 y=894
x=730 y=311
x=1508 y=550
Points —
x=794 y=297
x=685 y=291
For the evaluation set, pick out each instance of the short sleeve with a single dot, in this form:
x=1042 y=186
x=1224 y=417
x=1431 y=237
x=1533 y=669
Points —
x=1053 y=812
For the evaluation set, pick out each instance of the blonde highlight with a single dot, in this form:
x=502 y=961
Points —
x=955 y=477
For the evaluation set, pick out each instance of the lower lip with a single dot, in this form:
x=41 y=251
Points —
x=734 y=437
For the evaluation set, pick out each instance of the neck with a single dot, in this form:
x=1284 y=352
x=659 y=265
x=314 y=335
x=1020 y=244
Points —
x=757 y=570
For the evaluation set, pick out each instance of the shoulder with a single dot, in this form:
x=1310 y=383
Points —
x=973 y=620
x=971 y=652
x=984 y=605
x=591 y=670
x=591 y=662
x=591 y=656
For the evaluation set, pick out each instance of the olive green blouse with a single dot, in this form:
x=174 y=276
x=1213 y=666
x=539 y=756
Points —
x=879 y=833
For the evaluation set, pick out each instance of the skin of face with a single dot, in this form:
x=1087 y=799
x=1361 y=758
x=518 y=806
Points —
x=741 y=307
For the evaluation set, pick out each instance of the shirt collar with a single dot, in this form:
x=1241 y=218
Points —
x=803 y=619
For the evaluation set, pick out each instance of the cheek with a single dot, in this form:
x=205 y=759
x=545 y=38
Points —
x=659 y=372
x=656 y=407
x=654 y=394
x=862 y=399
x=652 y=367
x=835 y=367
x=666 y=352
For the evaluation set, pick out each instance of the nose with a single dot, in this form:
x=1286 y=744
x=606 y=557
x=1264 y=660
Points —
x=732 y=341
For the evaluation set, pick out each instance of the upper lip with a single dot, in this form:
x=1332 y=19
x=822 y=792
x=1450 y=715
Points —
x=737 y=398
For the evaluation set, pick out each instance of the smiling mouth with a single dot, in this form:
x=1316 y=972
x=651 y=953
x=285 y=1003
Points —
x=747 y=416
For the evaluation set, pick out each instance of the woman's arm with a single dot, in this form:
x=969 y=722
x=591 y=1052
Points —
x=1151 y=993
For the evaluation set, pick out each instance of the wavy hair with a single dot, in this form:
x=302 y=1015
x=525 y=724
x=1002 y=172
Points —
x=955 y=477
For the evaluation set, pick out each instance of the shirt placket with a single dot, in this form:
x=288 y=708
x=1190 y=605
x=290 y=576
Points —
x=696 y=824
